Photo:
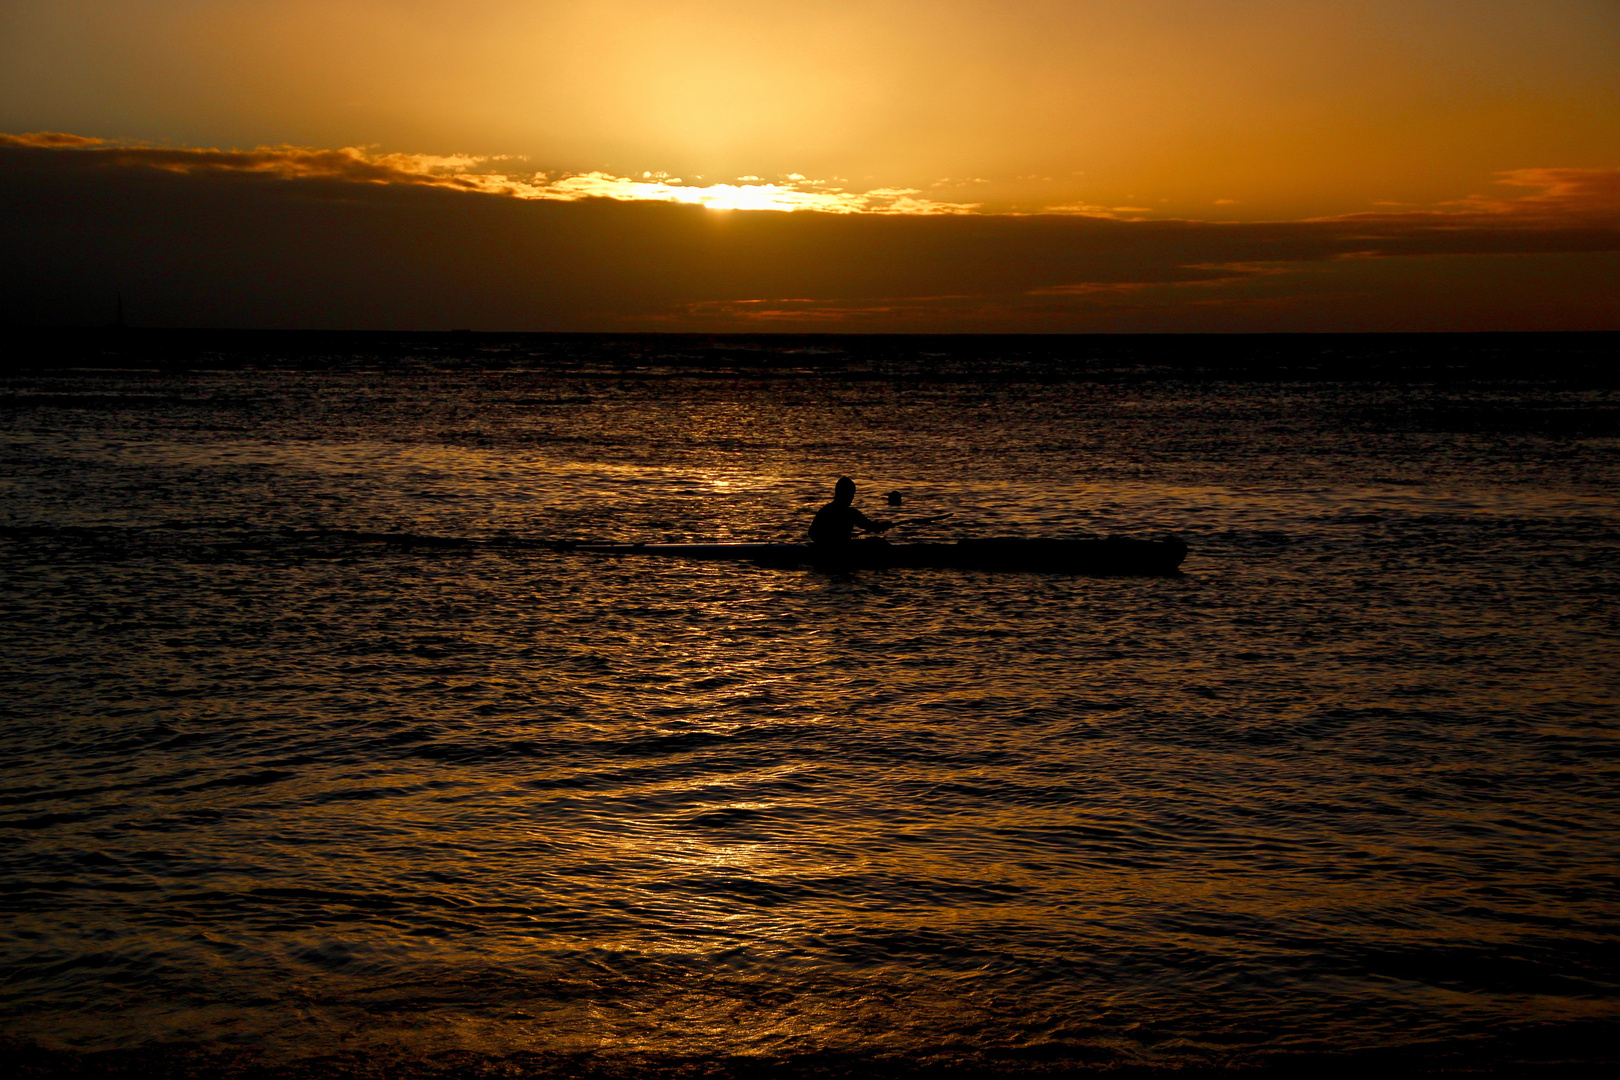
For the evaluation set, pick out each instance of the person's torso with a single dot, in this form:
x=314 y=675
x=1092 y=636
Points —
x=833 y=524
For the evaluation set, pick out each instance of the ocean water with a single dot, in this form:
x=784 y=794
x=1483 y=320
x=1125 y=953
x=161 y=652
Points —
x=313 y=753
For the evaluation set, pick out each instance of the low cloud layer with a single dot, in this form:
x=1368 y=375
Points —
x=345 y=238
x=467 y=173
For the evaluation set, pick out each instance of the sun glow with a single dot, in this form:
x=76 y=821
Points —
x=796 y=193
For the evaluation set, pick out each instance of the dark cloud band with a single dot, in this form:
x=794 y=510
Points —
x=287 y=236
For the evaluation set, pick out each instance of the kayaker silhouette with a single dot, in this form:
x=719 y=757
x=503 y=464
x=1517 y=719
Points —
x=836 y=522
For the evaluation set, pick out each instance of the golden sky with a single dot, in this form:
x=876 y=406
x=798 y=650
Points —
x=1237 y=111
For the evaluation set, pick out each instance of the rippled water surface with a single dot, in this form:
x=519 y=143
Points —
x=309 y=750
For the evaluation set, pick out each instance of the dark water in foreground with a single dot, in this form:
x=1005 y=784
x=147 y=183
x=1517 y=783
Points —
x=1345 y=790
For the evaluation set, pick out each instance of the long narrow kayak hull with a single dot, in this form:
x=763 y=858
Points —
x=1092 y=557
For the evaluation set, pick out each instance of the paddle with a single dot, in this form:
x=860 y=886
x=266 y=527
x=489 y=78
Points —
x=917 y=521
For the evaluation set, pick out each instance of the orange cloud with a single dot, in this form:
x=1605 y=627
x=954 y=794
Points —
x=49 y=139
x=1561 y=194
x=1555 y=196
x=286 y=162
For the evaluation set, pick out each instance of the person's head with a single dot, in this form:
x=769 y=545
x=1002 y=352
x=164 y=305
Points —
x=844 y=491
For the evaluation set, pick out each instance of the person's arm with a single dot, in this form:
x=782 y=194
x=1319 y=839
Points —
x=868 y=524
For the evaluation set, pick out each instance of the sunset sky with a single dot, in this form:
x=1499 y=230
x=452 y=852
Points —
x=903 y=165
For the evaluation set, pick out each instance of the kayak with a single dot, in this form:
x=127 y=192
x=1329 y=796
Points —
x=1092 y=557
